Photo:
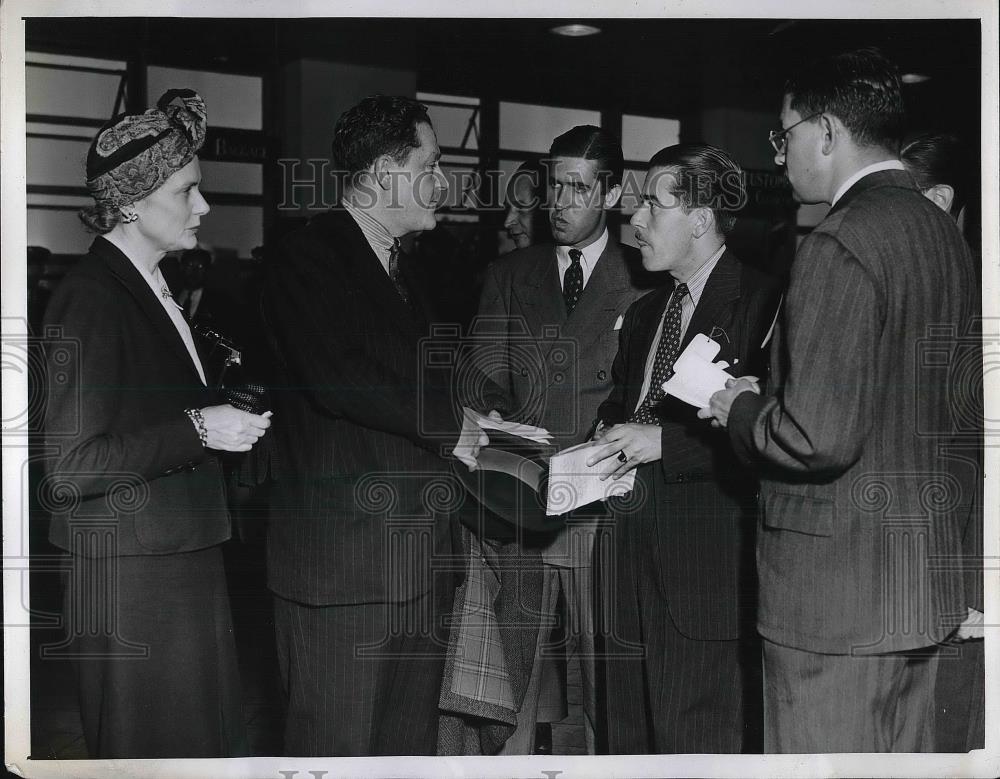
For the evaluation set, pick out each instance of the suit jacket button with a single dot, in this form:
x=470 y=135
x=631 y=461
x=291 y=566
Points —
x=680 y=477
x=524 y=372
x=558 y=378
x=602 y=375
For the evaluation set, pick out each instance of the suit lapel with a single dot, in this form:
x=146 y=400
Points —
x=539 y=299
x=600 y=297
x=128 y=275
x=721 y=289
x=342 y=231
x=541 y=294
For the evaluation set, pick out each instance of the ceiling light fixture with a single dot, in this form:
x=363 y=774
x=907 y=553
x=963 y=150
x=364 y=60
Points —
x=914 y=78
x=575 y=30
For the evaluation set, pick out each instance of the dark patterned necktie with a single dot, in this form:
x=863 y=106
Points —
x=663 y=363
x=394 y=273
x=573 y=281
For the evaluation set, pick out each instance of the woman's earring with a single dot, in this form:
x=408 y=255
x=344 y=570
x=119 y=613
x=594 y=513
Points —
x=129 y=216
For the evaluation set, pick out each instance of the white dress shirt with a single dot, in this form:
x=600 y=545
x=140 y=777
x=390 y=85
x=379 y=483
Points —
x=375 y=233
x=865 y=171
x=159 y=286
x=695 y=285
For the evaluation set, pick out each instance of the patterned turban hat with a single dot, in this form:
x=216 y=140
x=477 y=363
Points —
x=134 y=154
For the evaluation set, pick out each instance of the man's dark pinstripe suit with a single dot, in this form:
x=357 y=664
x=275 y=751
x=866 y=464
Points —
x=361 y=503
x=675 y=569
x=861 y=534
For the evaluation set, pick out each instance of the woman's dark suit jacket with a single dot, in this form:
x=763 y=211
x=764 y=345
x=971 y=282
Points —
x=119 y=379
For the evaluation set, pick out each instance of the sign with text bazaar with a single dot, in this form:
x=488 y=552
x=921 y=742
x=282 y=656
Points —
x=226 y=144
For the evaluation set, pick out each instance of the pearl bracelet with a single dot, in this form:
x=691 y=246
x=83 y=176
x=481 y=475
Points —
x=198 y=420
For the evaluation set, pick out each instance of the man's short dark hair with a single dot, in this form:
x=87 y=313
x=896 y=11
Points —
x=532 y=172
x=939 y=159
x=377 y=125
x=861 y=88
x=593 y=143
x=705 y=176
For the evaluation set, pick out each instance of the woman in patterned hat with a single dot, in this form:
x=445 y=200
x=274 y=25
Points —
x=134 y=484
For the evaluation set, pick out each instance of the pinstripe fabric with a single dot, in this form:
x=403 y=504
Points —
x=677 y=569
x=362 y=505
x=360 y=431
x=707 y=497
x=851 y=440
x=843 y=703
x=361 y=680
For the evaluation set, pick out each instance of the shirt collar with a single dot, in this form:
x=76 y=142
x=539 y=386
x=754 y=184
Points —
x=865 y=171
x=696 y=284
x=591 y=254
x=375 y=232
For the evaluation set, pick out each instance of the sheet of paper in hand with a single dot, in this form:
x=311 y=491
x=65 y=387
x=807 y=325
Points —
x=537 y=434
x=696 y=378
x=572 y=484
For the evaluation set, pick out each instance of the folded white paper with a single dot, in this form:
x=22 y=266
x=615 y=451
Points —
x=696 y=378
x=467 y=443
x=537 y=434
x=572 y=484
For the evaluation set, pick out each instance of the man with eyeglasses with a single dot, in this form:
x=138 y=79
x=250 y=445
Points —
x=851 y=605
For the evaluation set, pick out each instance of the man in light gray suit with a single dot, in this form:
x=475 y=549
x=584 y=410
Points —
x=557 y=309
x=859 y=530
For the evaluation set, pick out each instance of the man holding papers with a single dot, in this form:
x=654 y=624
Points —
x=676 y=574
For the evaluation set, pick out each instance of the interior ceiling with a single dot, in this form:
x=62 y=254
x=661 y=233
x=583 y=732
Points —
x=666 y=67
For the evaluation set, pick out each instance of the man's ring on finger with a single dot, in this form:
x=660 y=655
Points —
x=622 y=457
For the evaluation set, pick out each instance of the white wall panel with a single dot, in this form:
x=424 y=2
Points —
x=525 y=127
x=643 y=136
x=231 y=100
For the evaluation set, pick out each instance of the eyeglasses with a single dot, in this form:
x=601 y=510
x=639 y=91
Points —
x=779 y=138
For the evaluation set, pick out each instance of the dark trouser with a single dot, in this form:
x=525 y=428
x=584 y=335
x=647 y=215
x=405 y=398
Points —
x=660 y=691
x=152 y=640
x=960 y=698
x=844 y=703
x=362 y=679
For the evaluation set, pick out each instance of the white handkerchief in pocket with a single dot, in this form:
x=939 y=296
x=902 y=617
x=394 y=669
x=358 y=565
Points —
x=619 y=321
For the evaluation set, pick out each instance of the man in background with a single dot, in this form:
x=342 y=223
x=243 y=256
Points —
x=526 y=221
x=939 y=164
x=557 y=308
